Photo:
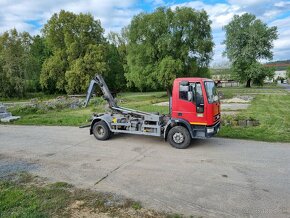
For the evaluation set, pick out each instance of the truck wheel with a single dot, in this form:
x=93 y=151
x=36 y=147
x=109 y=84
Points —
x=179 y=137
x=101 y=131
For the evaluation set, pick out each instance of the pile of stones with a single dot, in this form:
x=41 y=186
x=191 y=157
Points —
x=60 y=102
x=6 y=116
x=238 y=121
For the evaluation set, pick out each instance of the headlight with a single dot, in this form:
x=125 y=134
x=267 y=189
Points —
x=210 y=130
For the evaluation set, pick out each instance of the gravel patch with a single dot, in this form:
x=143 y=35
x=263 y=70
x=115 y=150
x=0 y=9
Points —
x=10 y=166
x=234 y=106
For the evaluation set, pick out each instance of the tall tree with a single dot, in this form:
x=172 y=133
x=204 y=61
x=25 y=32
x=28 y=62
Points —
x=117 y=59
x=37 y=54
x=167 y=44
x=73 y=39
x=249 y=40
x=14 y=63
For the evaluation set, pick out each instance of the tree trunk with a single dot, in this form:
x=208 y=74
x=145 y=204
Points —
x=248 y=85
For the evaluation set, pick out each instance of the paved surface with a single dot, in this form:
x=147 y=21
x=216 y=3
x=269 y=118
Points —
x=213 y=178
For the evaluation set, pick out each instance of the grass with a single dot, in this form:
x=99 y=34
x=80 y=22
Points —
x=67 y=117
x=234 y=91
x=25 y=195
x=81 y=116
x=272 y=111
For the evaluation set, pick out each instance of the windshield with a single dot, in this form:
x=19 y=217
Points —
x=211 y=92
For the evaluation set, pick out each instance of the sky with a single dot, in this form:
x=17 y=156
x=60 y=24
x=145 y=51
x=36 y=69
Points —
x=31 y=15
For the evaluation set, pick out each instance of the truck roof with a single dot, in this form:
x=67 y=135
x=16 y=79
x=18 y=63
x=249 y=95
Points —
x=192 y=79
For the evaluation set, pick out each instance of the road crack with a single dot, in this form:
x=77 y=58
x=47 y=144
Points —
x=138 y=157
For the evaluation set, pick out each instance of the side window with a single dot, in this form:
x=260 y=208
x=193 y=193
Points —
x=183 y=92
x=187 y=92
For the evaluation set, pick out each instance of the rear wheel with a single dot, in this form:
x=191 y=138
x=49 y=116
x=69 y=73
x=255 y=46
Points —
x=101 y=131
x=179 y=137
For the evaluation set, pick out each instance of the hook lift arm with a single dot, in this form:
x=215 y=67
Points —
x=98 y=80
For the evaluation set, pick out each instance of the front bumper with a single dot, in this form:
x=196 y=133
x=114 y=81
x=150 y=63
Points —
x=205 y=131
x=212 y=130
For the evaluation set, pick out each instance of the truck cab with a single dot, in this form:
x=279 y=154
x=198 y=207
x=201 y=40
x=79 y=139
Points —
x=196 y=106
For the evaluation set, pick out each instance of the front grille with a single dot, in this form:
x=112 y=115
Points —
x=217 y=117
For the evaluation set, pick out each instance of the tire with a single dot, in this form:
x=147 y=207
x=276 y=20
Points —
x=179 y=137
x=101 y=131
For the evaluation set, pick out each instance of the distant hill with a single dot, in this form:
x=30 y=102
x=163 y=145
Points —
x=279 y=65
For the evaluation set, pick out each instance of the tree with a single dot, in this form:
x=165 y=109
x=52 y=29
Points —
x=249 y=40
x=117 y=59
x=73 y=40
x=37 y=55
x=167 y=44
x=84 y=68
x=14 y=63
x=115 y=76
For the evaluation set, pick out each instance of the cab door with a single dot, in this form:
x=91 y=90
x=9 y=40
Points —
x=189 y=103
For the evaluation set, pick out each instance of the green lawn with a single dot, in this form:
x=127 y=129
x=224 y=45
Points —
x=78 y=117
x=233 y=91
x=270 y=107
x=272 y=111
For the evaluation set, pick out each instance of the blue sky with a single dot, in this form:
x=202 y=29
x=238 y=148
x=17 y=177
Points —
x=31 y=15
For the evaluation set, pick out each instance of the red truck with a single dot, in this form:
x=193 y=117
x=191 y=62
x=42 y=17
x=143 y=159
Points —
x=194 y=113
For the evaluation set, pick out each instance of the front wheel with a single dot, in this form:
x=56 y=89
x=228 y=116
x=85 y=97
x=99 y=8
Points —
x=179 y=137
x=101 y=131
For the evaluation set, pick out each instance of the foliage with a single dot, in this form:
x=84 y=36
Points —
x=75 y=41
x=117 y=59
x=83 y=69
x=167 y=44
x=37 y=54
x=259 y=72
x=14 y=63
x=115 y=78
x=249 y=40
x=221 y=74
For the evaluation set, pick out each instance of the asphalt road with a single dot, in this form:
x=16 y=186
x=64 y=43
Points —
x=212 y=178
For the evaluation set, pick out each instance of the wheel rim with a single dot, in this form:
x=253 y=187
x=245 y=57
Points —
x=100 y=131
x=178 y=137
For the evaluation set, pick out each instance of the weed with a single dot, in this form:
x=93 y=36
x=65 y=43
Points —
x=136 y=206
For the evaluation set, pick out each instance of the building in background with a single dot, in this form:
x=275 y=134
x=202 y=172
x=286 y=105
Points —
x=280 y=71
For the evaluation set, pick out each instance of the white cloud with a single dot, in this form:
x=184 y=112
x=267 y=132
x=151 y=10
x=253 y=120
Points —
x=282 y=4
x=246 y=3
x=282 y=44
x=155 y=2
x=220 y=14
x=19 y=13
